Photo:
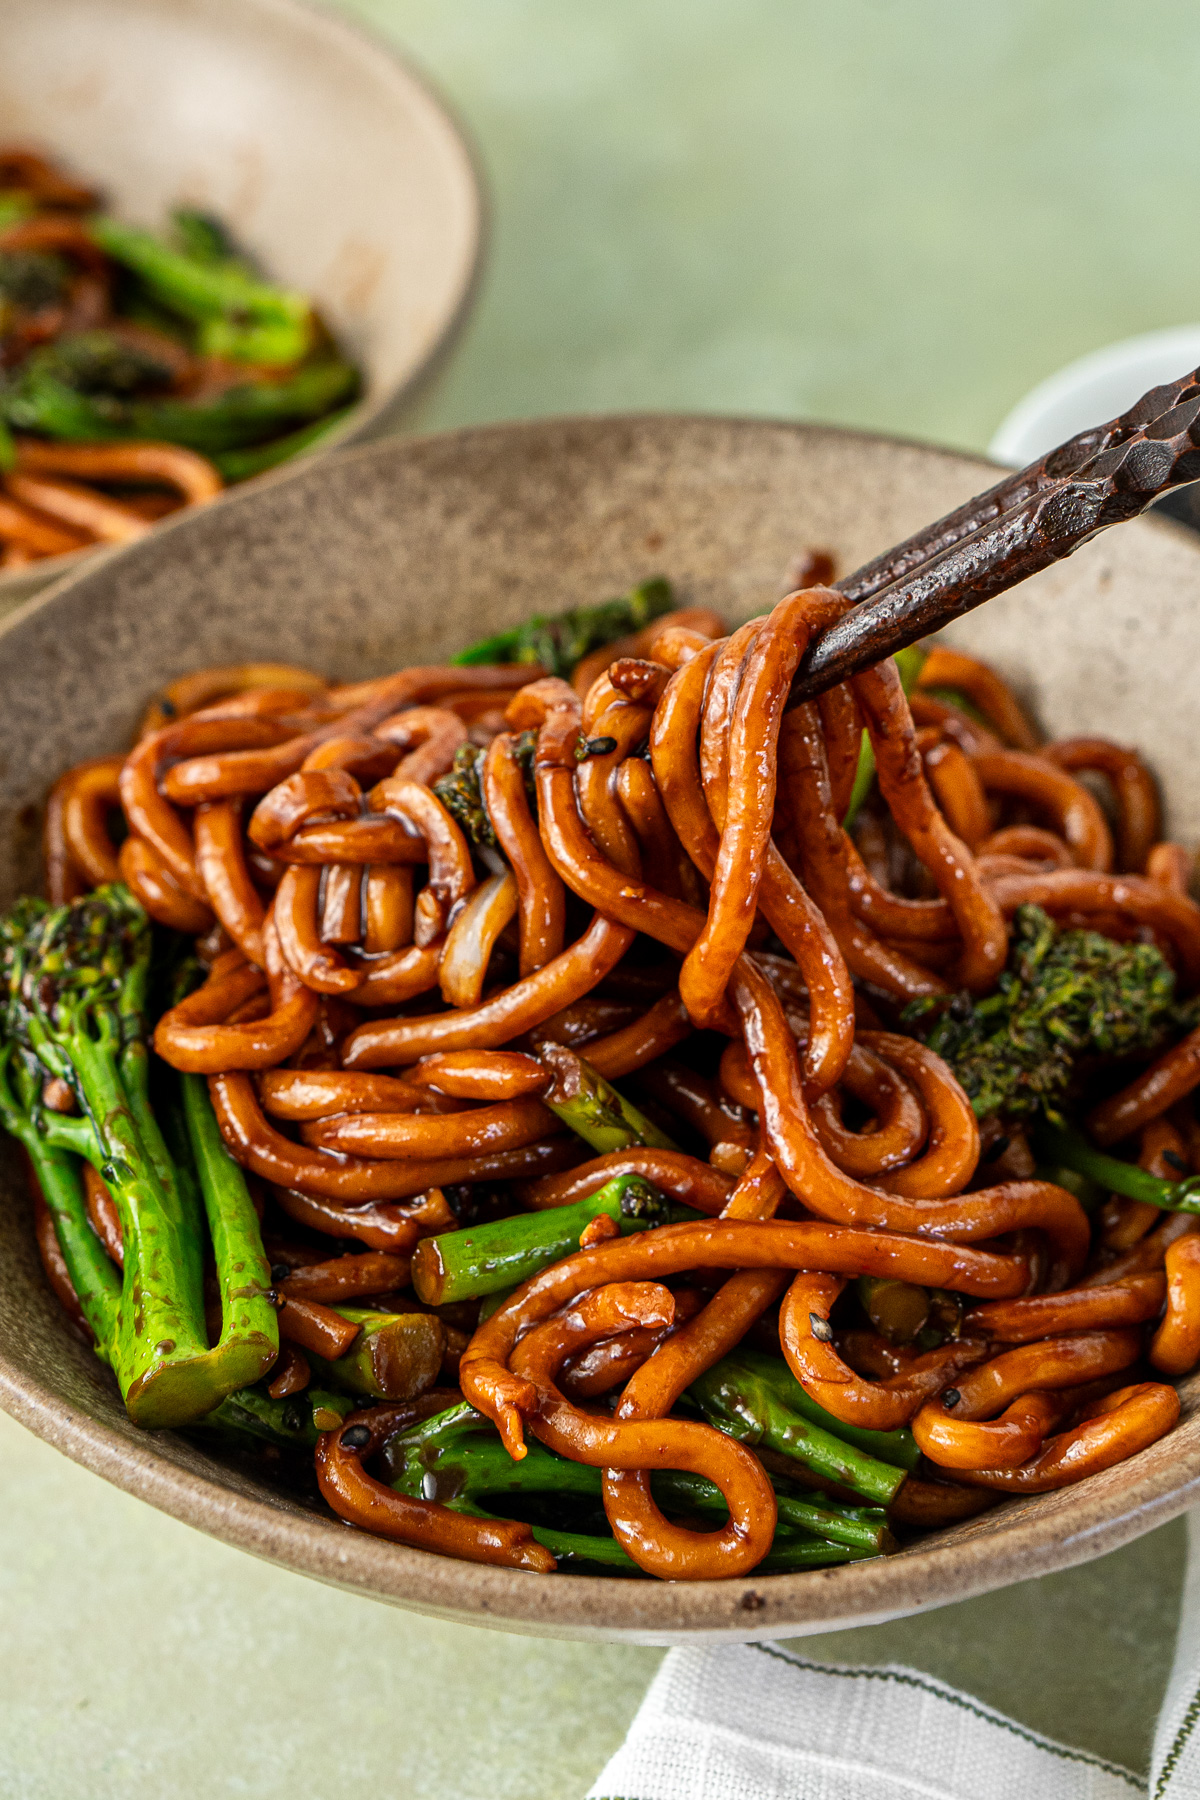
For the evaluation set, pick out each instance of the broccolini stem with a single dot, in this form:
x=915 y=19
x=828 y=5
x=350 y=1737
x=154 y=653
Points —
x=160 y=1321
x=456 y=1457
x=175 y=1171
x=96 y=1280
x=395 y=1356
x=249 y=1340
x=463 y=1265
x=591 y=1106
x=755 y=1399
x=862 y=1528
x=787 y=1556
x=1072 y=1150
x=457 y=1460
x=76 y=979
x=240 y=465
x=896 y=1447
x=238 y=315
x=67 y=1131
x=292 y=1424
x=576 y=1547
x=569 y=1546
x=558 y=643
x=40 y=400
x=428 y=1434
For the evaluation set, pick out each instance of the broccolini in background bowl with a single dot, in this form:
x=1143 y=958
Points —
x=228 y=236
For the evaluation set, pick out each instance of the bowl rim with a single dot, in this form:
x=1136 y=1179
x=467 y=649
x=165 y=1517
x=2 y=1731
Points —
x=925 y=1575
x=400 y=69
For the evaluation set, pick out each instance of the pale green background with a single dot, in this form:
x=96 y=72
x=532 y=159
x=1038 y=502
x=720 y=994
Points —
x=896 y=214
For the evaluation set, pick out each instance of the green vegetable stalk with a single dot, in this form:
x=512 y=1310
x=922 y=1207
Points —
x=395 y=1356
x=562 y=641
x=1064 y=996
x=483 y=1259
x=457 y=1455
x=202 y=236
x=1069 y=1149
x=292 y=1424
x=756 y=1399
x=240 y=465
x=96 y=1280
x=579 y=1547
x=591 y=1106
x=235 y=314
x=75 y=998
x=789 y=1554
x=91 y=388
x=860 y=1528
x=249 y=1340
x=457 y=1459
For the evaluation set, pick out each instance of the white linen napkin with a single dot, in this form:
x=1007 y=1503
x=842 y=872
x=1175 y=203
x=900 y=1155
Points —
x=760 y=1722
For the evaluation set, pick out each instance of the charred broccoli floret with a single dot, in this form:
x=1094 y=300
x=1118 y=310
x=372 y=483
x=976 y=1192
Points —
x=461 y=791
x=95 y=363
x=1063 y=997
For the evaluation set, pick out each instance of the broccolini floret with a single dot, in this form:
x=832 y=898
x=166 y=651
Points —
x=559 y=643
x=1065 y=996
x=461 y=791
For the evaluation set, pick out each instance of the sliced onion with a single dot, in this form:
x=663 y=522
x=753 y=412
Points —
x=472 y=938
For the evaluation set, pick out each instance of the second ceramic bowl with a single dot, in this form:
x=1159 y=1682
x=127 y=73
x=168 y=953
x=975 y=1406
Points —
x=330 y=160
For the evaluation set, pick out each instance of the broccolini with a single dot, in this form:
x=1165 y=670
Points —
x=558 y=643
x=461 y=791
x=74 y=1008
x=1063 y=997
x=234 y=313
x=92 y=388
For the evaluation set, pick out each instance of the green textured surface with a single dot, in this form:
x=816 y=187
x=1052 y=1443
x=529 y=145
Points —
x=896 y=214
x=139 y=1658
x=892 y=215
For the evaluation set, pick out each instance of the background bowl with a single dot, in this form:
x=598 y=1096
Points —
x=331 y=162
x=1094 y=387
x=403 y=552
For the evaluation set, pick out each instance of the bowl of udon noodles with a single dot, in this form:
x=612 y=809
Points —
x=230 y=233
x=508 y=1118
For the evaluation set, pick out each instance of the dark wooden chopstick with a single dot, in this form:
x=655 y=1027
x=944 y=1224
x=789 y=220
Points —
x=1021 y=525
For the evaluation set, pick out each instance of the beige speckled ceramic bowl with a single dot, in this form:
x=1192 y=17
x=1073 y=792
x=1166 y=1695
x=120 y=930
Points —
x=405 y=551
x=330 y=160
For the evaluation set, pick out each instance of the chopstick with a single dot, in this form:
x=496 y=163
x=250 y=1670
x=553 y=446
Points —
x=1024 y=523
